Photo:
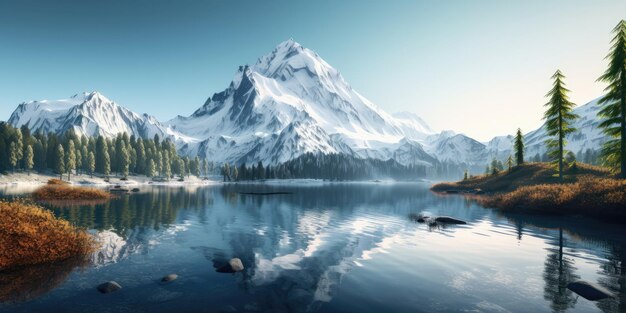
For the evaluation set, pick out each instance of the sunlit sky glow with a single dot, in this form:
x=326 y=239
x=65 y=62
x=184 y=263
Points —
x=478 y=67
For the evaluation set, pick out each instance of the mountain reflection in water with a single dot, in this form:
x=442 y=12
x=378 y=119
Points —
x=328 y=247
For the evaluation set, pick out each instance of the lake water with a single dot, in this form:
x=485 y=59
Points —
x=325 y=247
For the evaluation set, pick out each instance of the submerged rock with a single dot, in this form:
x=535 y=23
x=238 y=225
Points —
x=135 y=190
x=169 y=278
x=108 y=287
x=449 y=220
x=589 y=291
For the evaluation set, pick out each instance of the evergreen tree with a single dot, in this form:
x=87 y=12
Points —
x=235 y=173
x=124 y=159
x=494 y=167
x=466 y=175
x=167 y=171
x=205 y=167
x=60 y=161
x=509 y=163
x=13 y=155
x=519 y=147
x=70 y=158
x=558 y=118
x=28 y=159
x=106 y=169
x=196 y=166
x=613 y=103
x=151 y=168
x=19 y=145
x=181 y=166
x=91 y=163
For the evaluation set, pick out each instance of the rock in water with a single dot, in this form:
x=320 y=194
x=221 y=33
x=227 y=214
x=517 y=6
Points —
x=109 y=287
x=236 y=265
x=449 y=220
x=233 y=265
x=589 y=291
x=169 y=278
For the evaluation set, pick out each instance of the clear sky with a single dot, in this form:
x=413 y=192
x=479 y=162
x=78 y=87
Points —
x=478 y=67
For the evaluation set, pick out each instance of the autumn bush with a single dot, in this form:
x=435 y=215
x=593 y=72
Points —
x=55 y=181
x=588 y=195
x=68 y=192
x=30 y=234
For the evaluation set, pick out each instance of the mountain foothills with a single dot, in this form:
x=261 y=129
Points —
x=290 y=104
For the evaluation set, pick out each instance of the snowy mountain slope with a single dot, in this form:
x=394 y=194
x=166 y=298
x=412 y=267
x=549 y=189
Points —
x=89 y=114
x=291 y=102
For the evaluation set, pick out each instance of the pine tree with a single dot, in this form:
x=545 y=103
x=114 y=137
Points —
x=519 y=147
x=235 y=173
x=509 y=163
x=13 y=155
x=558 y=118
x=205 y=167
x=60 y=161
x=167 y=171
x=28 y=159
x=79 y=160
x=19 y=145
x=494 y=167
x=613 y=103
x=181 y=167
x=196 y=166
x=106 y=167
x=151 y=168
x=124 y=159
x=92 y=163
x=70 y=158
x=465 y=175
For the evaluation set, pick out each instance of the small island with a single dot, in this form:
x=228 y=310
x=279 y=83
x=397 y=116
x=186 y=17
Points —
x=58 y=190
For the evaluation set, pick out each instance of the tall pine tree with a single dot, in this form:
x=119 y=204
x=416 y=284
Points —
x=558 y=118
x=613 y=103
x=519 y=147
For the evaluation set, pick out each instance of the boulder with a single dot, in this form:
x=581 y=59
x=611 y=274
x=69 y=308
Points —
x=109 y=287
x=169 y=278
x=449 y=220
x=236 y=265
x=135 y=190
x=233 y=265
x=589 y=291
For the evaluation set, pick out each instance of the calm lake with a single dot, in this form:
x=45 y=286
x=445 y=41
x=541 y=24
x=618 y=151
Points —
x=322 y=247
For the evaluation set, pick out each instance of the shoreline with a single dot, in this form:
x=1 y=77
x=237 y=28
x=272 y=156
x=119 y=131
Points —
x=39 y=179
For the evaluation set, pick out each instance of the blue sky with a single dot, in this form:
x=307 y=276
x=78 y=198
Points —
x=478 y=67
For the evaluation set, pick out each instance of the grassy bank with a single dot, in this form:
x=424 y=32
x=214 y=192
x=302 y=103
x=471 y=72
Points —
x=57 y=190
x=30 y=234
x=534 y=187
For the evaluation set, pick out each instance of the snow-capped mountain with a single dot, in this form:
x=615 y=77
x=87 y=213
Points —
x=89 y=114
x=291 y=102
x=288 y=103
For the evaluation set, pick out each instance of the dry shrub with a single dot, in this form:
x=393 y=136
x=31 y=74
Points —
x=66 y=192
x=604 y=197
x=30 y=234
x=55 y=181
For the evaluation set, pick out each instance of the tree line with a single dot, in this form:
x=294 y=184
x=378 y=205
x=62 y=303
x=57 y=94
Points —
x=324 y=166
x=69 y=153
x=559 y=117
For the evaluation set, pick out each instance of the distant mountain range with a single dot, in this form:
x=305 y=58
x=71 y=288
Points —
x=288 y=103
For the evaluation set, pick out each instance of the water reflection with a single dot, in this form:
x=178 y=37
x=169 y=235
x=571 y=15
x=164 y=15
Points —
x=28 y=283
x=334 y=248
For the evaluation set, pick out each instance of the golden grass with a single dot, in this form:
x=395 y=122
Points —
x=66 y=192
x=55 y=181
x=30 y=234
x=588 y=195
x=524 y=175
